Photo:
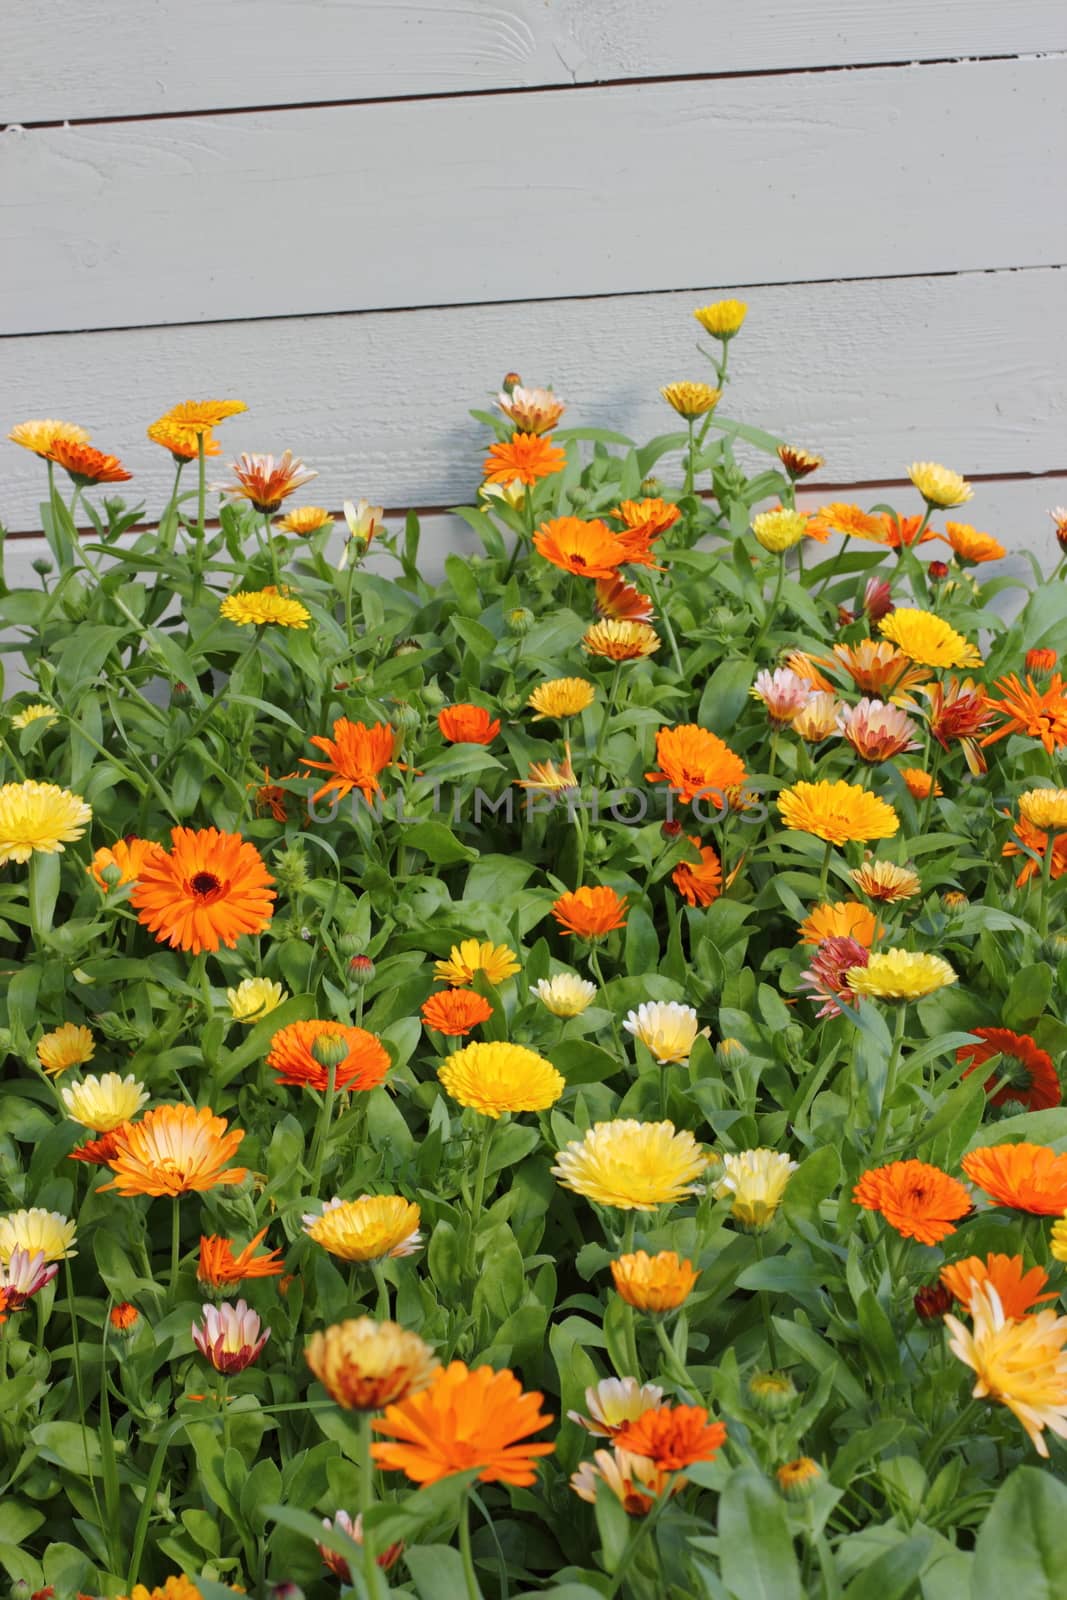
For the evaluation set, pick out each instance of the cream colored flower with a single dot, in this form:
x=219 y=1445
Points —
x=938 y=485
x=104 y=1103
x=613 y=1402
x=757 y=1180
x=254 y=998
x=565 y=995
x=666 y=1028
x=50 y=1232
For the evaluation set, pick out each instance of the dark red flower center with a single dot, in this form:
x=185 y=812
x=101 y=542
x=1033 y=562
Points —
x=205 y=885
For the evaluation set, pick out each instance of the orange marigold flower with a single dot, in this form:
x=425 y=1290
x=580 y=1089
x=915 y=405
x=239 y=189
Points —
x=455 y=1012
x=806 y=667
x=918 y=781
x=1037 y=713
x=210 y=888
x=695 y=761
x=1019 y=1290
x=656 y=515
x=1036 y=839
x=798 y=463
x=699 y=884
x=634 y=1481
x=271 y=797
x=837 y=812
x=548 y=777
x=1027 y=1177
x=97 y=1151
x=970 y=545
x=846 y=919
x=467 y=724
x=218 y=1265
x=1041 y=661
x=884 y=880
x=124 y=1317
x=174 y=1150
x=266 y=482
x=673 y=1436
x=87 y=465
x=621 y=602
x=588 y=549
x=918 y=1200
x=590 y=912
x=292 y=1055
x=183 y=442
x=202 y=415
x=355 y=756
x=1032 y=1080
x=364 y=1365
x=654 y=1283
x=125 y=857
x=850 y=520
x=878 y=668
x=620 y=641
x=40 y=434
x=464 y=1419
x=525 y=456
x=904 y=531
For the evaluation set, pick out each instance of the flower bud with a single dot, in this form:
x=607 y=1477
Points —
x=291 y=871
x=433 y=696
x=20 y=1590
x=112 y=875
x=1041 y=662
x=1055 y=948
x=772 y=1393
x=510 y=381
x=799 y=1479
x=579 y=497
x=932 y=1302
x=407 y=647
x=41 y=565
x=125 y=1319
x=670 y=830
x=937 y=570
x=360 y=971
x=405 y=717
x=329 y=1050
x=651 y=488
x=519 y=621
x=954 y=899
x=730 y=1052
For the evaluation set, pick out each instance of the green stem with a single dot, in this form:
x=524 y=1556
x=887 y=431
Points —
x=372 y=1576
x=1046 y=879
x=175 y=1244
x=835 y=564
x=772 y=609
x=322 y=1129
x=605 y=726
x=79 y=1386
x=675 y=1368
x=478 y=1198
x=661 y=613
x=637 y=1538
x=825 y=869
x=765 y=1311
x=384 y=1310
x=272 y=552
x=201 y=486
x=168 y=522
x=469 y=1575
x=956 y=1425
x=928 y=804
x=890 y=1084
x=689 y=459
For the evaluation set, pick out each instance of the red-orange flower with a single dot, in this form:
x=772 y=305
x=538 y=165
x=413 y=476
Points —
x=699 y=884
x=904 y=531
x=590 y=912
x=644 y=521
x=271 y=797
x=919 y=782
x=124 y=1317
x=266 y=482
x=210 y=888
x=1017 y=1289
x=1038 y=713
x=673 y=1436
x=621 y=602
x=1041 y=660
x=355 y=756
x=1036 y=839
x=464 y=1419
x=1027 y=1177
x=174 y=1150
x=588 y=549
x=959 y=710
x=455 y=1012
x=918 y=1200
x=97 y=1151
x=87 y=465
x=1032 y=1080
x=695 y=762
x=526 y=456
x=292 y=1055
x=218 y=1265
x=467 y=724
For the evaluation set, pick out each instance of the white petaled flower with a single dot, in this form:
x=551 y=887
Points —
x=363 y=521
x=50 y=1232
x=784 y=693
x=229 y=1336
x=104 y=1103
x=613 y=1402
x=25 y=1274
x=757 y=1180
x=665 y=1027
x=565 y=995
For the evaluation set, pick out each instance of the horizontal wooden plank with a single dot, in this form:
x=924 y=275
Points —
x=195 y=55
x=962 y=369
x=774 y=179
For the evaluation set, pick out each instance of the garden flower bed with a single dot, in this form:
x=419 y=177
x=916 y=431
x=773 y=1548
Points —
x=546 y=1081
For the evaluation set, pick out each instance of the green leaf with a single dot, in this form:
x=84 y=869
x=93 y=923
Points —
x=1022 y=1545
x=438 y=842
x=755 y=1546
x=437 y=1571
x=1028 y=996
x=726 y=694
x=892 y=1575
x=68 y=1444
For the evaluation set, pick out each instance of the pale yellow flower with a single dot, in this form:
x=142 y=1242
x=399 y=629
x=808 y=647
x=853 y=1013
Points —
x=1045 y=809
x=938 y=485
x=884 y=880
x=666 y=1028
x=70 y=1045
x=900 y=975
x=1019 y=1362
x=368 y=1229
x=34 y=713
x=39 y=817
x=780 y=529
x=634 y=1166
x=757 y=1180
x=254 y=998
x=613 y=1402
x=50 y=1232
x=565 y=995
x=104 y=1103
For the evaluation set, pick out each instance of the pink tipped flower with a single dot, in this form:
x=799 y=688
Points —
x=338 y=1565
x=532 y=410
x=783 y=692
x=827 y=977
x=878 y=599
x=876 y=731
x=25 y=1274
x=229 y=1336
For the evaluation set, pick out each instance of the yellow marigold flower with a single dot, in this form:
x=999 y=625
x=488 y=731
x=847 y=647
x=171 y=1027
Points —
x=837 y=812
x=471 y=956
x=34 y=713
x=254 y=998
x=104 y=1103
x=183 y=443
x=798 y=1479
x=368 y=1229
x=666 y=1028
x=496 y=1078
x=938 y=485
x=757 y=1180
x=39 y=816
x=258 y=607
x=42 y=433
x=844 y=919
x=620 y=639
x=179 y=1587
x=303 y=520
x=691 y=399
x=70 y=1045
x=546 y=777
x=654 y=1283
x=780 y=529
x=49 y=1232
x=900 y=975
x=927 y=639
x=884 y=880
x=565 y=995
x=798 y=463
x=1019 y=1362
x=817 y=719
x=561 y=697
x=634 y=1166
x=1058 y=1239
x=1045 y=809
x=919 y=782
x=365 y=1365
x=202 y=415
x=723 y=318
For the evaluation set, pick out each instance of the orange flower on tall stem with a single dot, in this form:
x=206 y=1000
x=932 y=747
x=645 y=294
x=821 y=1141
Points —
x=218 y=1265
x=464 y=1419
x=878 y=667
x=1025 y=1071
x=1019 y=1290
x=174 y=1150
x=200 y=416
x=355 y=756
x=590 y=912
x=959 y=710
x=125 y=858
x=87 y=465
x=1027 y=837
x=846 y=919
x=467 y=724
x=183 y=443
x=588 y=549
x=918 y=1200
x=971 y=546
x=292 y=1056
x=209 y=889
x=903 y=532
x=849 y=520
x=620 y=641
x=1026 y=1177
x=674 y=1437
x=643 y=523
x=695 y=761
x=528 y=457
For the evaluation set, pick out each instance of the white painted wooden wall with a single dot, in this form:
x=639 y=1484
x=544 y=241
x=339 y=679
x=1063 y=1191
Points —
x=357 y=216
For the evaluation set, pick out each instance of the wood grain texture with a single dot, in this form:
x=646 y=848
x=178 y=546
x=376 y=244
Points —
x=965 y=370
x=626 y=189
x=197 y=55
